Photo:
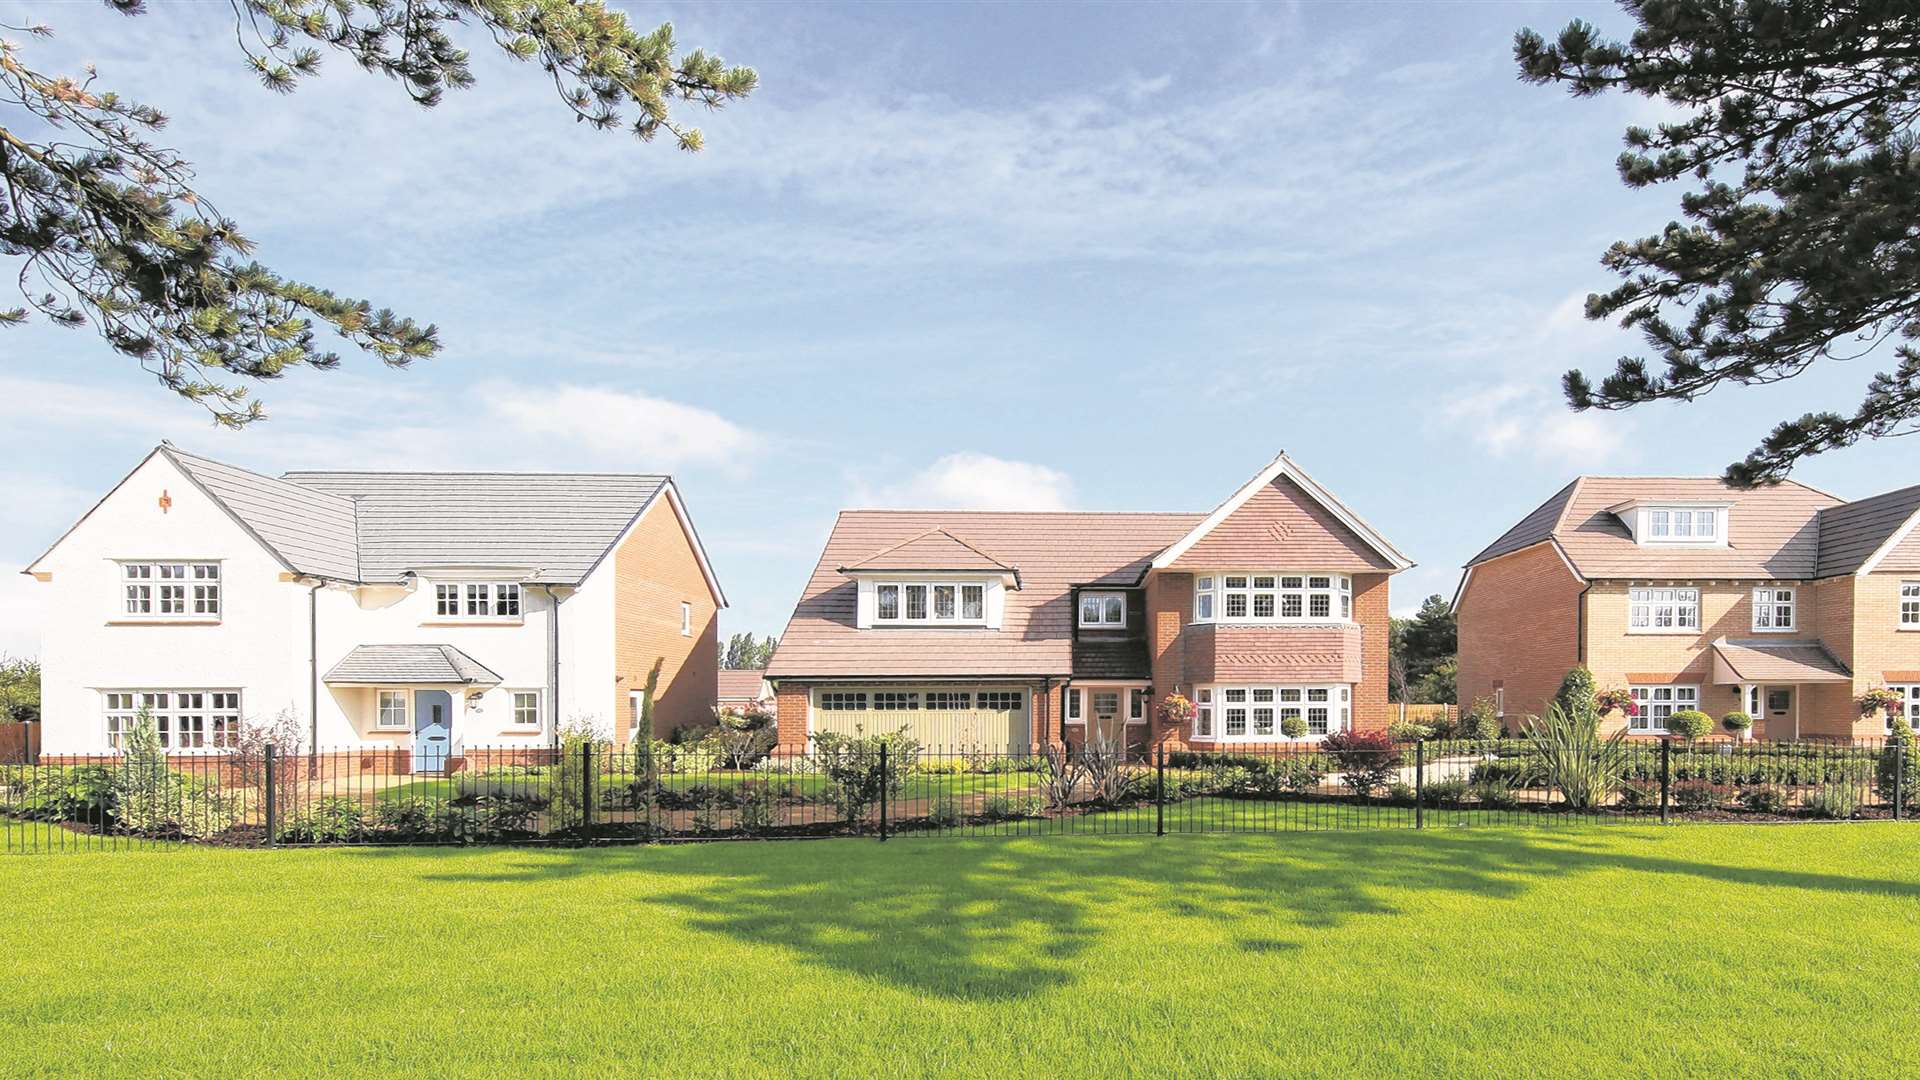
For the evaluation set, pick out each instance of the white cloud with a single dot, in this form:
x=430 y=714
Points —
x=651 y=432
x=974 y=481
x=1508 y=419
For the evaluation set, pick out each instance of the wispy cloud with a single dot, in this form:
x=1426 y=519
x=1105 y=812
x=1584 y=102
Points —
x=970 y=480
x=1510 y=419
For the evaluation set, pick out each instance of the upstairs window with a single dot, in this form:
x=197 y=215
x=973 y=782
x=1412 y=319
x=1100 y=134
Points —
x=1663 y=611
x=930 y=603
x=162 y=591
x=1272 y=598
x=1910 y=605
x=1103 y=610
x=1773 y=610
x=478 y=600
x=1683 y=525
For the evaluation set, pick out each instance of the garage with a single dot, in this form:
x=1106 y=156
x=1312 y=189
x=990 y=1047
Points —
x=941 y=717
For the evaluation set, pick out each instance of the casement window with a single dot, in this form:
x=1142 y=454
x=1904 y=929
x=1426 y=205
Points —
x=930 y=603
x=1910 y=694
x=1261 y=713
x=1663 y=611
x=392 y=710
x=1910 y=605
x=1657 y=704
x=843 y=700
x=526 y=708
x=1773 y=610
x=1001 y=700
x=1272 y=597
x=478 y=601
x=1103 y=610
x=896 y=700
x=162 y=591
x=184 y=720
x=1073 y=707
x=1683 y=524
x=1136 y=706
x=686 y=619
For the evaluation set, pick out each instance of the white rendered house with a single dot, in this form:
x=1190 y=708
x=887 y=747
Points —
x=404 y=611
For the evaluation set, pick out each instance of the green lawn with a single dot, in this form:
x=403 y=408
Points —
x=1707 y=951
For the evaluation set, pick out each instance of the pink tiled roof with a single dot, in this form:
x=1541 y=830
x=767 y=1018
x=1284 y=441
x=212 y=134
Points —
x=1054 y=550
x=1281 y=513
x=935 y=549
x=741 y=684
x=1780 y=661
x=1773 y=531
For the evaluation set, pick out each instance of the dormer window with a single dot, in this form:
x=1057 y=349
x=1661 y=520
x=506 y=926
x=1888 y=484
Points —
x=930 y=603
x=1103 y=611
x=1683 y=524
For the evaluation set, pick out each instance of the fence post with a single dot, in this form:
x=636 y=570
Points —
x=884 y=793
x=586 y=789
x=1666 y=777
x=273 y=799
x=1160 y=791
x=1419 y=783
x=1899 y=778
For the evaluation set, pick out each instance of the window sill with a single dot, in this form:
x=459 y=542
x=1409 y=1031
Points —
x=1328 y=621
x=163 y=622
x=475 y=622
x=1775 y=630
x=1685 y=631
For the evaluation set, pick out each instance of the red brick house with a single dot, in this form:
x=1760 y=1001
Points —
x=1010 y=629
x=1786 y=603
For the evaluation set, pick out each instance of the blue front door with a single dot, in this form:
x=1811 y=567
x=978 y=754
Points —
x=432 y=730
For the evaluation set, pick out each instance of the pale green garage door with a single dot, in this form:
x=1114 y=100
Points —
x=941 y=717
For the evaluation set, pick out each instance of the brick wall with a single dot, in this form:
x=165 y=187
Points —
x=1881 y=652
x=790 y=706
x=1169 y=607
x=655 y=571
x=1370 y=609
x=1519 y=630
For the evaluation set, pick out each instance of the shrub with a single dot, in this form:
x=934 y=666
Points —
x=758 y=804
x=1896 y=771
x=1586 y=769
x=1408 y=731
x=945 y=813
x=1764 y=800
x=851 y=764
x=406 y=819
x=1690 y=724
x=1400 y=793
x=1737 y=723
x=1293 y=726
x=77 y=793
x=1493 y=795
x=1579 y=698
x=1695 y=795
x=148 y=798
x=742 y=736
x=330 y=820
x=1639 y=795
x=1011 y=807
x=1510 y=772
x=1834 y=801
x=1366 y=760
x=1450 y=792
x=1479 y=721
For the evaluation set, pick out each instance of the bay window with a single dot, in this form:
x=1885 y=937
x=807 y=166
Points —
x=1657 y=704
x=1272 y=598
x=1261 y=714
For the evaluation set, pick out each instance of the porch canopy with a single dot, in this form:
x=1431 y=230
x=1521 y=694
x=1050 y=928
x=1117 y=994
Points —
x=1748 y=661
x=409 y=665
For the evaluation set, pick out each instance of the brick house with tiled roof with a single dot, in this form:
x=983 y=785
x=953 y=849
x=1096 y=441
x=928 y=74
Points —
x=1010 y=629
x=1784 y=602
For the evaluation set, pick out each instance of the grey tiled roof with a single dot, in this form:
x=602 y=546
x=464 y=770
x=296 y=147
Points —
x=311 y=531
x=1850 y=534
x=405 y=664
x=555 y=524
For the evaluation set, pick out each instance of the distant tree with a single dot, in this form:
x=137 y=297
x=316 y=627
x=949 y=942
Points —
x=1798 y=127
x=1439 y=686
x=1418 y=646
x=19 y=688
x=109 y=232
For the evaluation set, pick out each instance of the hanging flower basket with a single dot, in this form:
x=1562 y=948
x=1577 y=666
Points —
x=1878 y=699
x=1176 y=710
x=1609 y=700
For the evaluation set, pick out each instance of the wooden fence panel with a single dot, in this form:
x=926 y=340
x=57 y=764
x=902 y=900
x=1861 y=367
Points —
x=19 y=744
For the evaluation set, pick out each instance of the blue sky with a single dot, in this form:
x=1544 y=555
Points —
x=982 y=255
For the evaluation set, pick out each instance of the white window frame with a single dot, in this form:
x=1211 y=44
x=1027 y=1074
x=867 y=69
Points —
x=1683 y=523
x=686 y=619
x=1652 y=698
x=1074 y=714
x=1333 y=702
x=1137 y=705
x=1910 y=693
x=514 y=719
x=1290 y=597
x=480 y=602
x=963 y=597
x=1776 y=609
x=1104 y=603
x=170 y=591
x=381 y=712
x=1647 y=607
x=189 y=720
x=1909 y=615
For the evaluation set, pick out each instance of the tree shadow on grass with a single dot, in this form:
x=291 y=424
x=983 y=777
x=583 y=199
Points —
x=1008 y=919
